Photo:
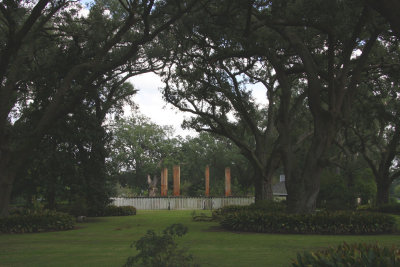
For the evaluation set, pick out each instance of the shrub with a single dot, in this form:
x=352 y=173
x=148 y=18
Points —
x=20 y=210
x=218 y=213
x=351 y=255
x=202 y=217
x=75 y=208
x=264 y=206
x=366 y=207
x=119 y=211
x=78 y=207
x=110 y=210
x=39 y=221
x=342 y=222
x=269 y=206
x=393 y=208
x=161 y=250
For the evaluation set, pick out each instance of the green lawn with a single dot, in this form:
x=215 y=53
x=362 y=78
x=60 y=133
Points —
x=106 y=242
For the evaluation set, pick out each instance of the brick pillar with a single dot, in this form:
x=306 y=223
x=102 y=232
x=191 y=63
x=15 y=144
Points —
x=177 y=180
x=228 y=182
x=207 y=173
x=164 y=182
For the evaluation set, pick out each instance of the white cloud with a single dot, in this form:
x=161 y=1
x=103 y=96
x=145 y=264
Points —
x=259 y=93
x=150 y=102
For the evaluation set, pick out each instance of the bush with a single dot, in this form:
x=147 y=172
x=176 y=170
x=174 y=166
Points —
x=75 y=208
x=202 y=217
x=218 y=213
x=110 y=210
x=264 y=206
x=393 y=208
x=39 y=221
x=20 y=210
x=269 y=206
x=161 y=250
x=351 y=255
x=343 y=222
x=119 y=211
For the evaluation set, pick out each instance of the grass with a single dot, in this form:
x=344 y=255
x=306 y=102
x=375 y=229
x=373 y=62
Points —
x=106 y=242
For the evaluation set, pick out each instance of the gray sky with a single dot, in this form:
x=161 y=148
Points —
x=151 y=104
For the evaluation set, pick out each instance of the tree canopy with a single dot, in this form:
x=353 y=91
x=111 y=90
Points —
x=330 y=70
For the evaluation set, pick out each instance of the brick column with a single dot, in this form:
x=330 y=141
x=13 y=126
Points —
x=164 y=182
x=228 y=182
x=177 y=180
x=207 y=173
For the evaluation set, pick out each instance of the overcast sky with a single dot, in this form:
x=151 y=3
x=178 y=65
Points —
x=151 y=104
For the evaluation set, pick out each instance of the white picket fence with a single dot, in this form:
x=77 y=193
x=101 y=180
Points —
x=181 y=203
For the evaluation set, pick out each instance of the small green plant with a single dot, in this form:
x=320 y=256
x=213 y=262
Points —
x=351 y=255
x=161 y=250
x=202 y=217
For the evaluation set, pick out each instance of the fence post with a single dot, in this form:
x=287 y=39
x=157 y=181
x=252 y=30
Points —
x=177 y=180
x=228 y=182
x=207 y=172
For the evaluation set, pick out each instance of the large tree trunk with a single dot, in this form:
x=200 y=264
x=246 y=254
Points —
x=303 y=190
x=303 y=176
x=51 y=196
x=97 y=195
x=381 y=170
x=264 y=168
x=383 y=183
x=11 y=163
x=382 y=196
x=263 y=185
x=6 y=183
x=7 y=176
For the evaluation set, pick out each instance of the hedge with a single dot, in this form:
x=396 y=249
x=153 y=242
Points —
x=119 y=211
x=340 y=222
x=39 y=221
x=392 y=208
x=110 y=210
x=263 y=206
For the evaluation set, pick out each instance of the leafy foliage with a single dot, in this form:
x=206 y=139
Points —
x=202 y=217
x=339 y=191
x=112 y=210
x=393 y=208
x=269 y=206
x=36 y=221
x=139 y=146
x=340 y=222
x=109 y=210
x=262 y=206
x=161 y=250
x=351 y=255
